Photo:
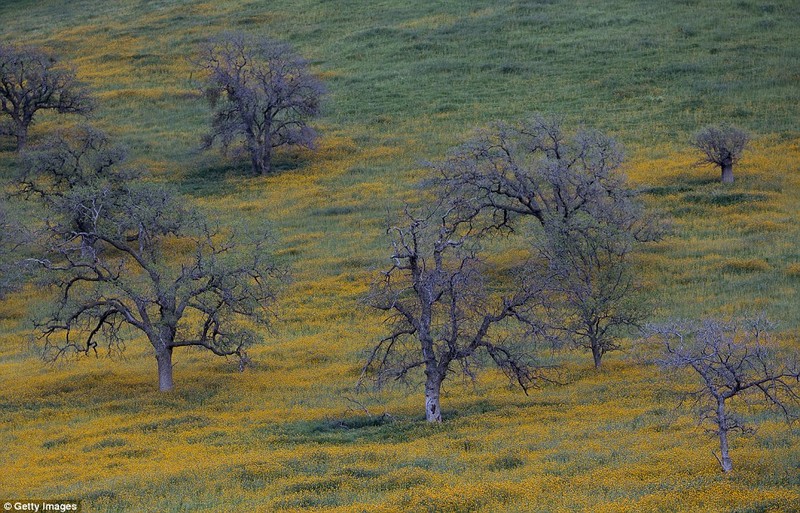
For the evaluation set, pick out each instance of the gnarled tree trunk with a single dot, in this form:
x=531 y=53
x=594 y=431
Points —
x=162 y=340
x=433 y=387
x=727 y=171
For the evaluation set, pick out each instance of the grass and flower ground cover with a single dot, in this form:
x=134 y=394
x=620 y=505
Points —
x=407 y=81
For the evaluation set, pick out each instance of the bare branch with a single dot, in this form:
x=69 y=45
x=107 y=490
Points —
x=732 y=359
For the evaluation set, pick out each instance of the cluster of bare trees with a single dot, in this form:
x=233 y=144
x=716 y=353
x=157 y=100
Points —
x=111 y=245
x=577 y=286
x=449 y=313
x=261 y=93
x=127 y=256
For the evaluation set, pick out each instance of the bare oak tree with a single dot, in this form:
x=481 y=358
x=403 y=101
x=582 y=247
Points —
x=441 y=312
x=594 y=296
x=590 y=219
x=732 y=360
x=721 y=146
x=32 y=80
x=79 y=157
x=127 y=257
x=261 y=92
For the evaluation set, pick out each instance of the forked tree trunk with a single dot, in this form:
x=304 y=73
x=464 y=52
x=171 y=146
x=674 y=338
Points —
x=727 y=172
x=722 y=423
x=261 y=158
x=433 y=387
x=164 y=359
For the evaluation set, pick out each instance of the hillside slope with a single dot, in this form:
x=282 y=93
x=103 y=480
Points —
x=408 y=81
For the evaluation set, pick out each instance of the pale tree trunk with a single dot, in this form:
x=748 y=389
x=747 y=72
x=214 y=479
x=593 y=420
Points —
x=722 y=423
x=433 y=387
x=727 y=171
x=162 y=340
x=164 y=359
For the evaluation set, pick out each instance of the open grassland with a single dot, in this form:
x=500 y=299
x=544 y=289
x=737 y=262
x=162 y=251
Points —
x=407 y=81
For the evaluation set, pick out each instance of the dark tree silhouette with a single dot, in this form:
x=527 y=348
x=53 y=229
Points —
x=127 y=256
x=31 y=80
x=721 y=146
x=732 y=359
x=590 y=219
x=442 y=314
x=261 y=93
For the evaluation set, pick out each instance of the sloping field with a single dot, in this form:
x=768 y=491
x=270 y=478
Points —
x=408 y=80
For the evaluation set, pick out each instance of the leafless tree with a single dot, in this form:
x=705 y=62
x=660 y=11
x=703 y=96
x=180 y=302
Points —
x=538 y=169
x=732 y=359
x=261 y=92
x=70 y=159
x=127 y=256
x=721 y=146
x=594 y=296
x=590 y=218
x=32 y=80
x=442 y=312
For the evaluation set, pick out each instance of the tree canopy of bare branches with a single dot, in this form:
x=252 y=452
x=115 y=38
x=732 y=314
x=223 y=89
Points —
x=590 y=218
x=442 y=313
x=11 y=238
x=731 y=359
x=261 y=92
x=721 y=146
x=128 y=257
x=594 y=295
x=32 y=80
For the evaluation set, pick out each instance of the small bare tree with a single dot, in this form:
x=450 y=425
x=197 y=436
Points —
x=112 y=247
x=442 y=314
x=721 y=146
x=591 y=220
x=594 y=296
x=32 y=80
x=732 y=359
x=261 y=92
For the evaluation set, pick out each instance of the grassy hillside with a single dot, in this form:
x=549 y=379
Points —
x=408 y=80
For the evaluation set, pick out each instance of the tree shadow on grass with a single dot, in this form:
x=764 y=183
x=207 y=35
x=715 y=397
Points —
x=222 y=177
x=7 y=144
x=290 y=161
x=213 y=180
